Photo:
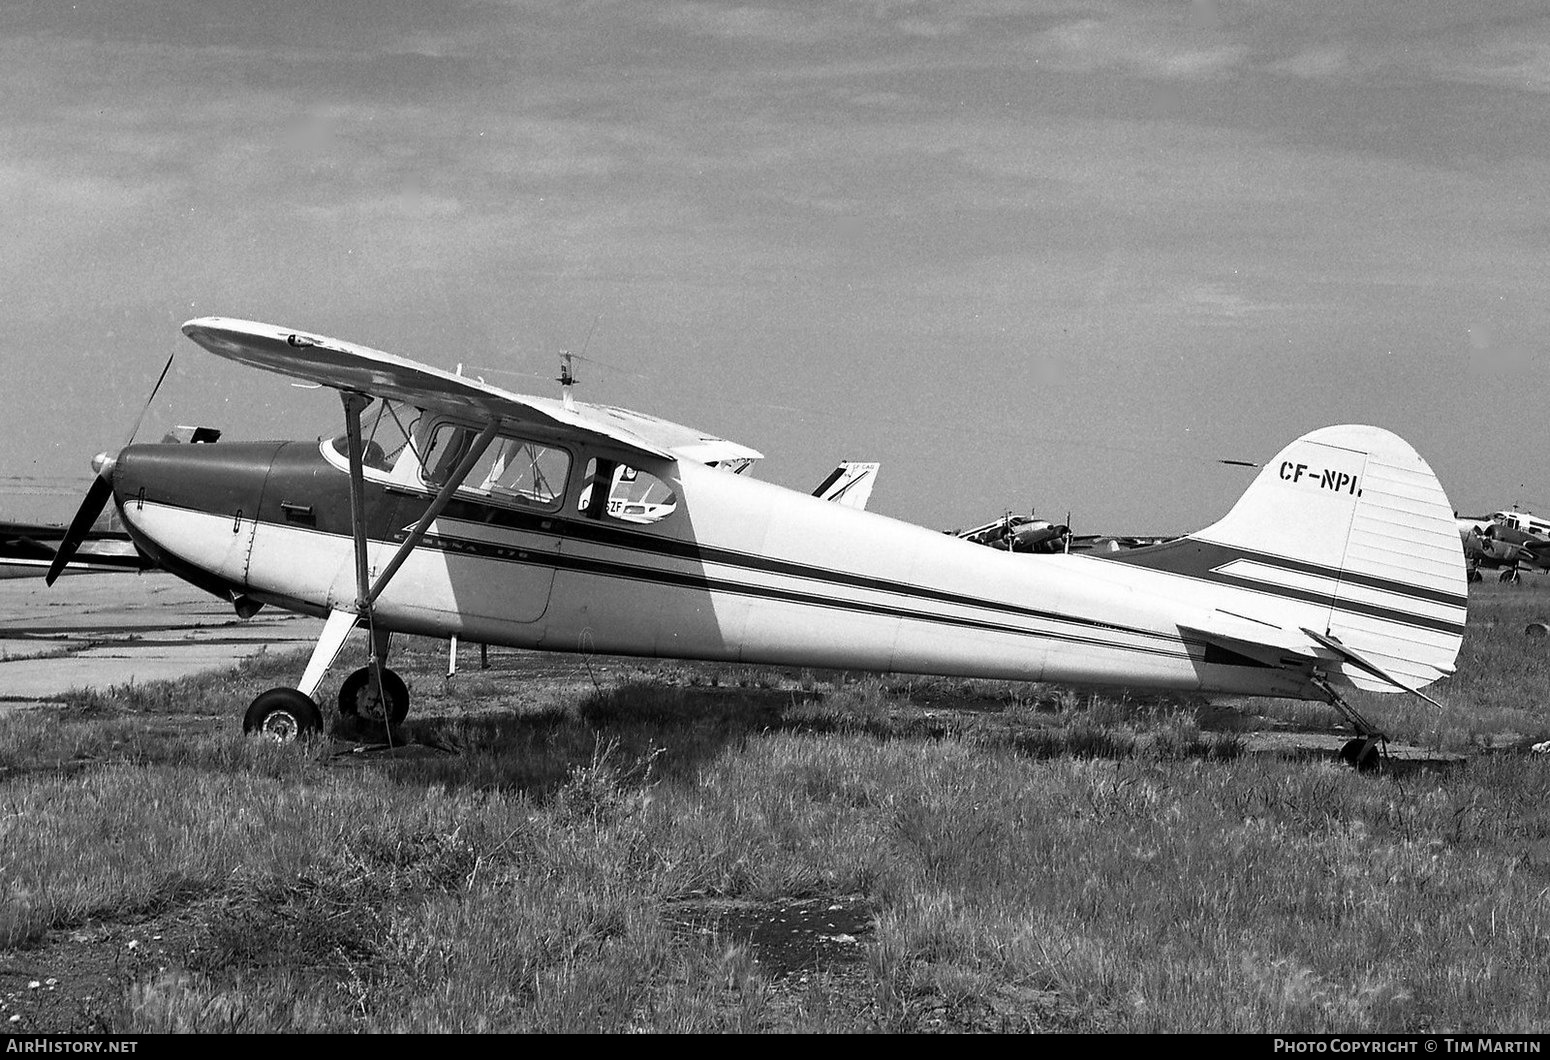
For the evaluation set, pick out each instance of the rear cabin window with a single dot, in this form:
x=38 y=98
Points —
x=617 y=491
x=512 y=471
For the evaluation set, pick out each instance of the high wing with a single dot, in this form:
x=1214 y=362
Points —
x=348 y=367
x=683 y=442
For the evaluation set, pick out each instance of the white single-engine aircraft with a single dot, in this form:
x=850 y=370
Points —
x=1340 y=566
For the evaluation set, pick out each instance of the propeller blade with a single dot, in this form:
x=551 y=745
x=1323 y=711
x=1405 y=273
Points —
x=100 y=493
x=96 y=500
x=141 y=418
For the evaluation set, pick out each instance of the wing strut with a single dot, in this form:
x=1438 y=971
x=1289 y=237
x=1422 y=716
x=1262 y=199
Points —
x=341 y=622
x=481 y=443
x=367 y=590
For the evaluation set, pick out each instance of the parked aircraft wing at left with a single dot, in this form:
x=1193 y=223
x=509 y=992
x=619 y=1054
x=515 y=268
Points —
x=28 y=549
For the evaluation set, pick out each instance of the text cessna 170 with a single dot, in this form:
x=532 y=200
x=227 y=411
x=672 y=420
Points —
x=1340 y=566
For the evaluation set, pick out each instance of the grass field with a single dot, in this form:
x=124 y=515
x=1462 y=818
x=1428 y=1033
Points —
x=570 y=844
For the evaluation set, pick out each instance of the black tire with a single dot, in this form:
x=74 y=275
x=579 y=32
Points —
x=358 y=697
x=1359 y=754
x=284 y=715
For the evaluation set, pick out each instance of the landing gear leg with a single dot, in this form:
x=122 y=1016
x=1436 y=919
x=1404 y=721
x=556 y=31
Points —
x=1367 y=749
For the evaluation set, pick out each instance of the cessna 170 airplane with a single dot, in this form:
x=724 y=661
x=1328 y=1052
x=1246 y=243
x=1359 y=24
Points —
x=449 y=507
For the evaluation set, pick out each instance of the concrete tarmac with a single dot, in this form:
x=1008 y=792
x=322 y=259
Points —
x=104 y=629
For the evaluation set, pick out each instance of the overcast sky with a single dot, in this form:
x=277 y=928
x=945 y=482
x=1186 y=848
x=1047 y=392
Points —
x=1052 y=254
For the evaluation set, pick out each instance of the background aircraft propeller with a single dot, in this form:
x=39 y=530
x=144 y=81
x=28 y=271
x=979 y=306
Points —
x=98 y=495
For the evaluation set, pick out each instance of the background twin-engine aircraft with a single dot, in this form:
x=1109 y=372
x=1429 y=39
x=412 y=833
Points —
x=1505 y=541
x=1024 y=533
x=451 y=508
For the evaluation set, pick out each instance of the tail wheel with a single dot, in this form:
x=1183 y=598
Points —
x=359 y=697
x=284 y=715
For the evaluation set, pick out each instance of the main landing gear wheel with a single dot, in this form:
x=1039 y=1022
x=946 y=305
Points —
x=1360 y=753
x=284 y=715
x=359 y=698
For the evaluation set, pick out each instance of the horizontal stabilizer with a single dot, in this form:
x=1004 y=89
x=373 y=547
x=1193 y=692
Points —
x=1257 y=643
x=1351 y=655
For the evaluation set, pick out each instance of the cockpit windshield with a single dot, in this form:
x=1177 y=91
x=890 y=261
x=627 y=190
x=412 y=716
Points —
x=386 y=427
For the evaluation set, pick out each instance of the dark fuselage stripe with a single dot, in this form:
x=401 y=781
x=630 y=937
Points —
x=1194 y=558
x=1197 y=566
x=1201 y=561
x=671 y=548
x=690 y=580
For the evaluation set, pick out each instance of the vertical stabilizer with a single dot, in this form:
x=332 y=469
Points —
x=1353 y=518
x=1348 y=534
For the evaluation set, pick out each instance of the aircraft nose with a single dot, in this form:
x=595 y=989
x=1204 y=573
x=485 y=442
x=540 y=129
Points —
x=103 y=464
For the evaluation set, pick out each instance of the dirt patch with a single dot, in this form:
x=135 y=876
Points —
x=787 y=938
x=74 y=981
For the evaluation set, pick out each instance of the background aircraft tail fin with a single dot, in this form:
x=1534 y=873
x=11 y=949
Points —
x=1347 y=534
x=850 y=484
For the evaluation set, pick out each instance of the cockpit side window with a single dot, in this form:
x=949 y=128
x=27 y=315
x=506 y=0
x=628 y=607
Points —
x=513 y=471
x=445 y=450
x=386 y=428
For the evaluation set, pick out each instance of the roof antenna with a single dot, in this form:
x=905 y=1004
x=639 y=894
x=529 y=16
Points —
x=567 y=379
x=568 y=369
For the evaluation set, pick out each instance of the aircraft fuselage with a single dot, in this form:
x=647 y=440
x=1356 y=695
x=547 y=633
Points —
x=741 y=571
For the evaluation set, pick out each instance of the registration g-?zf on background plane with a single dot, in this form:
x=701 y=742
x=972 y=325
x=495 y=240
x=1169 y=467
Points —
x=449 y=507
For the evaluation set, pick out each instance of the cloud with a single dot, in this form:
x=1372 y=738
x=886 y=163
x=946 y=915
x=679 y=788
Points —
x=1516 y=61
x=1498 y=48
x=1218 y=304
x=813 y=24
x=1143 y=45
